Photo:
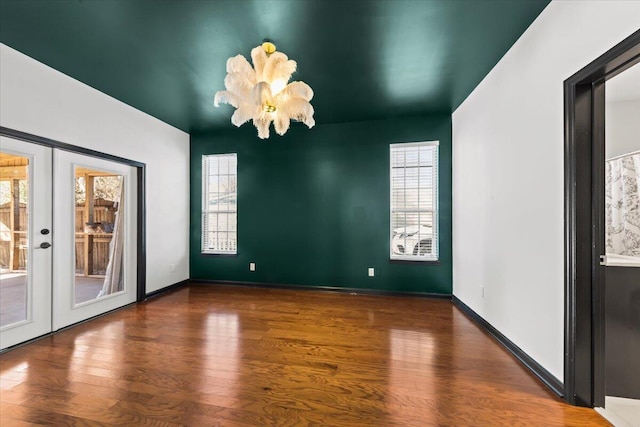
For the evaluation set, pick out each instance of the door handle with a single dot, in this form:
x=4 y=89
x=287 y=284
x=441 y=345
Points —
x=44 y=245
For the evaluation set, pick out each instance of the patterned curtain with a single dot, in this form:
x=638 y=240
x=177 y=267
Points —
x=622 y=204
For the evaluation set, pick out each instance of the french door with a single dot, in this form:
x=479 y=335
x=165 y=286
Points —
x=94 y=256
x=25 y=239
x=67 y=234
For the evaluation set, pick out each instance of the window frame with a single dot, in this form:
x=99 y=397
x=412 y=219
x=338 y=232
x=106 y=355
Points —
x=204 y=250
x=435 y=240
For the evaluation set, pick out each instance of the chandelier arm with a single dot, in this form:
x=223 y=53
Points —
x=239 y=83
x=281 y=123
x=278 y=67
x=226 y=97
x=259 y=58
x=243 y=114
x=262 y=123
x=239 y=64
x=299 y=110
x=297 y=90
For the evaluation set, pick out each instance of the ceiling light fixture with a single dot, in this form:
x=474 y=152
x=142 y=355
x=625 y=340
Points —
x=262 y=93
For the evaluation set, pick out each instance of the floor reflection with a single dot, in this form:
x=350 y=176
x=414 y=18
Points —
x=411 y=374
x=220 y=354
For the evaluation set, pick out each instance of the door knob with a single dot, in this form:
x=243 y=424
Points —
x=44 y=245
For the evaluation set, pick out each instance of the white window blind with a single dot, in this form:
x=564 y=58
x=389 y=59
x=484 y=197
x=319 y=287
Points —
x=414 y=201
x=219 y=204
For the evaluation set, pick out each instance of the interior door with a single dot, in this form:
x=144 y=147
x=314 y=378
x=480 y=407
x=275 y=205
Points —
x=25 y=238
x=95 y=212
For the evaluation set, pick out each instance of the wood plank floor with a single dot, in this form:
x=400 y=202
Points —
x=236 y=356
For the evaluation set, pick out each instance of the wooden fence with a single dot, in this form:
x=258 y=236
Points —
x=91 y=246
x=13 y=243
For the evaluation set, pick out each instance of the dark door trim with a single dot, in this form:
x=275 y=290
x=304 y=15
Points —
x=141 y=286
x=584 y=221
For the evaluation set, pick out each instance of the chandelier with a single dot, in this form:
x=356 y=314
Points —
x=262 y=93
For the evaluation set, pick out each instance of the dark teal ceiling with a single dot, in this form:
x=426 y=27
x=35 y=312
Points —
x=364 y=59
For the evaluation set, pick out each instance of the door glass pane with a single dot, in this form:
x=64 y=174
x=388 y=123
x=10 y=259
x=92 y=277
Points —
x=99 y=231
x=14 y=237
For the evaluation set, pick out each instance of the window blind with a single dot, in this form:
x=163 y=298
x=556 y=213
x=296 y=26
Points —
x=414 y=200
x=219 y=204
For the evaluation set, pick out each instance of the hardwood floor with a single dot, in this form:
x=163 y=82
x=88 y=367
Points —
x=236 y=356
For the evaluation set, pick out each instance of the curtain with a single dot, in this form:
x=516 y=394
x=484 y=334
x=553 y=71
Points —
x=622 y=204
x=113 y=277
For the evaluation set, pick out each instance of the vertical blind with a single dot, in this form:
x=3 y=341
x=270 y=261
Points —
x=219 y=203
x=414 y=198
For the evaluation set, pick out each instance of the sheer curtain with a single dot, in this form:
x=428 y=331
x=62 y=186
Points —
x=622 y=204
x=113 y=277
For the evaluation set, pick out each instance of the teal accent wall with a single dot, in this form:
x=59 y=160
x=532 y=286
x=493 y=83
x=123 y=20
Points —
x=313 y=206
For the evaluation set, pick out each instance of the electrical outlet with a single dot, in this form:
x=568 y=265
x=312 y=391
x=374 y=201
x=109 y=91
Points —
x=482 y=291
x=172 y=268
x=371 y=272
x=252 y=266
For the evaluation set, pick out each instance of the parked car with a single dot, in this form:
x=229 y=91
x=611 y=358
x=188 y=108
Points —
x=412 y=240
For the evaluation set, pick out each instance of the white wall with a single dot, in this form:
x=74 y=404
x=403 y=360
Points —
x=508 y=175
x=622 y=113
x=37 y=99
x=622 y=127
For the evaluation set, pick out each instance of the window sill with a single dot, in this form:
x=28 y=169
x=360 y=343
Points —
x=220 y=255
x=416 y=261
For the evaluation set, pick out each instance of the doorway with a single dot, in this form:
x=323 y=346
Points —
x=69 y=236
x=622 y=248
x=592 y=265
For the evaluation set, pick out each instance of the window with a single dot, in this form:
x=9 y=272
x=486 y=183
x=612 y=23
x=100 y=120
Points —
x=414 y=201
x=219 y=204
